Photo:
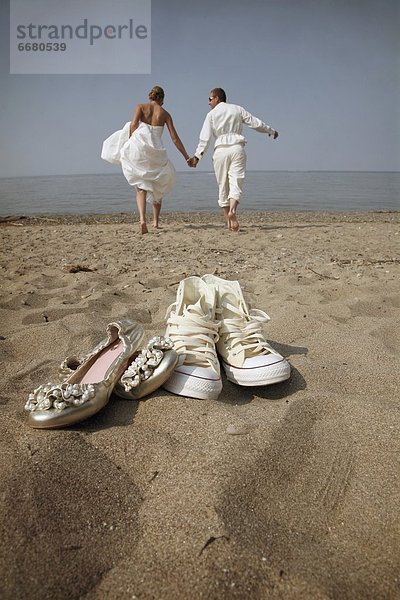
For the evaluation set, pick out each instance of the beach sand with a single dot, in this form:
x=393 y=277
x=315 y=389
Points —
x=287 y=491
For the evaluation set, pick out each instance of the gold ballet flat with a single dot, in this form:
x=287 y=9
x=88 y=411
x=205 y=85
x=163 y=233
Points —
x=148 y=370
x=88 y=388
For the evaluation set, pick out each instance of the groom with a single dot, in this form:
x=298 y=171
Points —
x=224 y=122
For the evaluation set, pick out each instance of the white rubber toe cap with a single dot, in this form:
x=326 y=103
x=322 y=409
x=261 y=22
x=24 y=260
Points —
x=259 y=370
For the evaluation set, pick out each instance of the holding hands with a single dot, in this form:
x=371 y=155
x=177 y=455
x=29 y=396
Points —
x=192 y=162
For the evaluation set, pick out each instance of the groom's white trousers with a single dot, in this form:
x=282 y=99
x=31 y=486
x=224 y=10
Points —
x=230 y=170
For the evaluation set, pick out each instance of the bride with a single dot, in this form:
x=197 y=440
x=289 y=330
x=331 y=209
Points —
x=139 y=149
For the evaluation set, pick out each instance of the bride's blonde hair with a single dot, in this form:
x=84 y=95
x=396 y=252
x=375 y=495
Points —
x=156 y=93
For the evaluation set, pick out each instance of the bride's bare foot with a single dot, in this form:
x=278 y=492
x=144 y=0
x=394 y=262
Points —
x=143 y=228
x=156 y=213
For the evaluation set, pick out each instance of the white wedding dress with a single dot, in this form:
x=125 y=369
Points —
x=143 y=159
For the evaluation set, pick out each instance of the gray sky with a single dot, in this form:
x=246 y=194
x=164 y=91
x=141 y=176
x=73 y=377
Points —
x=325 y=73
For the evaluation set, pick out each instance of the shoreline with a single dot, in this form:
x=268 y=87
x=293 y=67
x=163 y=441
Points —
x=212 y=217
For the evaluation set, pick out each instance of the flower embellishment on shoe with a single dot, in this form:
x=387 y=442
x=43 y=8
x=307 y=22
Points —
x=58 y=397
x=144 y=364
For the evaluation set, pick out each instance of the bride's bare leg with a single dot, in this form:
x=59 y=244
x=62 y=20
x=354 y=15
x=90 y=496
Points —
x=141 y=205
x=156 y=213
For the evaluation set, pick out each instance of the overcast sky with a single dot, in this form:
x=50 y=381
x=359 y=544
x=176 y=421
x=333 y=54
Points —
x=325 y=73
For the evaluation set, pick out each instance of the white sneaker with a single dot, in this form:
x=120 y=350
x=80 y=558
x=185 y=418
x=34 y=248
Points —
x=193 y=330
x=246 y=356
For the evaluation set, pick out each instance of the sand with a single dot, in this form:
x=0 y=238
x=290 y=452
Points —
x=288 y=491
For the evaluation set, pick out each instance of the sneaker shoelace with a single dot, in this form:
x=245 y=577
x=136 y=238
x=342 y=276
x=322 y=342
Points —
x=245 y=330
x=195 y=335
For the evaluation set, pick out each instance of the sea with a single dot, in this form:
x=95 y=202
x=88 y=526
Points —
x=197 y=191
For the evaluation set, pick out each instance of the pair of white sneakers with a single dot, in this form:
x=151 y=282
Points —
x=210 y=318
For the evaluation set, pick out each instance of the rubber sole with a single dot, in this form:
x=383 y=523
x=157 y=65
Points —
x=266 y=375
x=193 y=387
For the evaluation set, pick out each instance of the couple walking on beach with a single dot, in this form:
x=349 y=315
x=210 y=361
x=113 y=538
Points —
x=138 y=148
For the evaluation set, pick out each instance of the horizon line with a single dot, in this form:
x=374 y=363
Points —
x=210 y=172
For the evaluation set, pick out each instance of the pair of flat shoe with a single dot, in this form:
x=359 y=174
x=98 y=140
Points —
x=114 y=365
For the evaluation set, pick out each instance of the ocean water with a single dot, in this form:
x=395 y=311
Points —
x=197 y=191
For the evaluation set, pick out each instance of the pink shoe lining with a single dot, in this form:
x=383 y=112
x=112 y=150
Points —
x=104 y=360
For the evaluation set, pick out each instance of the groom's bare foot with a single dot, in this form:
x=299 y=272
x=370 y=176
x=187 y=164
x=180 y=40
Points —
x=233 y=222
x=226 y=216
x=156 y=225
x=143 y=228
